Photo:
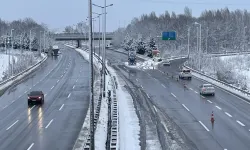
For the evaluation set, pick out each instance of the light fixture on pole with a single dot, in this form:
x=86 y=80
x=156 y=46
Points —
x=12 y=41
x=188 y=40
x=104 y=44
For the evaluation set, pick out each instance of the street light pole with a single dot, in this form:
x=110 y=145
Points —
x=40 y=42
x=206 y=40
x=188 y=41
x=92 y=135
x=11 y=32
x=43 y=41
x=104 y=38
x=244 y=38
x=30 y=40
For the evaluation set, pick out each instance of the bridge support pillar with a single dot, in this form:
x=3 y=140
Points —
x=78 y=43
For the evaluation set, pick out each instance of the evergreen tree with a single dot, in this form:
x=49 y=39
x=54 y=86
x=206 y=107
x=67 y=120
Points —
x=34 y=44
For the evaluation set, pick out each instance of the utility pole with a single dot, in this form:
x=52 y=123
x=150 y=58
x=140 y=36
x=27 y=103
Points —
x=200 y=50
x=92 y=134
x=30 y=40
x=40 y=42
x=99 y=35
x=43 y=41
x=9 y=51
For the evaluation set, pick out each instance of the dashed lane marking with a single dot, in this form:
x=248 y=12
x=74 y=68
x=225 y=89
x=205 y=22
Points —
x=49 y=123
x=196 y=92
x=141 y=86
x=73 y=86
x=173 y=95
x=165 y=127
x=240 y=123
x=185 y=107
x=163 y=85
x=228 y=114
x=45 y=95
x=52 y=87
x=218 y=107
x=148 y=96
x=61 y=107
x=31 y=145
x=58 y=81
x=209 y=101
x=191 y=89
x=69 y=95
x=32 y=107
x=203 y=125
x=12 y=125
x=137 y=80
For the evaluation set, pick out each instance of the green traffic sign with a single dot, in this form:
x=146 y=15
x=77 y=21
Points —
x=168 y=36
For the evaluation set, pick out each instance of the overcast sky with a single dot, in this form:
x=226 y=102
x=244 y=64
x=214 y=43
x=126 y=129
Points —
x=59 y=13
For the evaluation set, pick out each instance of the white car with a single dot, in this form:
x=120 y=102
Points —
x=185 y=74
x=207 y=89
x=166 y=63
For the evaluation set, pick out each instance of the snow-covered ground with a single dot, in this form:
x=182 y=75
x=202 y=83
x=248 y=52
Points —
x=148 y=64
x=4 y=61
x=129 y=128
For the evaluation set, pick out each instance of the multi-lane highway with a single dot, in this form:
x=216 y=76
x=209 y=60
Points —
x=57 y=123
x=189 y=112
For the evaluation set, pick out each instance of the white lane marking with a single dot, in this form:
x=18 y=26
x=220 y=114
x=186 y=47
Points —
x=148 y=95
x=40 y=80
x=61 y=76
x=12 y=125
x=13 y=101
x=137 y=80
x=19 y=96
x=61 y=107
x=32 y=107
x=58 y=81
x=69 y=95
x=155 y=79
x=203 y=96
x=25 y=91
x=173 y=95
x=31 y=145
x=141 y=87
x=218 y=107
x=228 y=114
x=209 y=101
x=52 y=87
x=196 y=92
x=45 y=95
x=191 y=89
x=30 y=88
x=5 y=106
x=185 y=107
x=164 y=125
x=73 y=86
x=203 y=125
x=37 y=82
x=76 y=80
x=240 y=123
x=49 y=123
x=163 y=85
x=155 y=109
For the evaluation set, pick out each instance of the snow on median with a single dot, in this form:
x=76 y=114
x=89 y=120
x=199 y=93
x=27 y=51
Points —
x=129 y=128
x=149 y=64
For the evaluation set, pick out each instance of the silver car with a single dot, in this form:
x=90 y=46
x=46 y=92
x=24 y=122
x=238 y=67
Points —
x=166 y=63
x=185 y=74
x=207 y=89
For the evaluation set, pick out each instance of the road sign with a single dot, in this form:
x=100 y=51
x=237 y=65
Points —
x=170 y=35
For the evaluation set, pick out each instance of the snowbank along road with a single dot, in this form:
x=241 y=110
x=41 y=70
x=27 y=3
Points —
x=178 y=117
x=64 y=80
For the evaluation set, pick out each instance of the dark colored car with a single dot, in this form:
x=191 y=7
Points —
x=36 y=97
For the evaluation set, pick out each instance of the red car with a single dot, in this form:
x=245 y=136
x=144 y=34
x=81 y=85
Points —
x=36 y=97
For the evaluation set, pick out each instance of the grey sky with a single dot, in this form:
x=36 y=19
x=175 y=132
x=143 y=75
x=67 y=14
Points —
x=59 y=13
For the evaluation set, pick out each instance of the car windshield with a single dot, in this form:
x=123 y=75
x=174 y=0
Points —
x=206 y=85
x=186 y=71
x=34 y=93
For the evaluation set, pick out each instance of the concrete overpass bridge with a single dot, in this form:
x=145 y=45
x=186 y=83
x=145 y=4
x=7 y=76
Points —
x=78 y=37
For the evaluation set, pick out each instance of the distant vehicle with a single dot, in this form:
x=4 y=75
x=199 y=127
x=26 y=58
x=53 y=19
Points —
x=36 y=97
x=131 y=57
x=166 y=63
x=185 y=74
x=207 y=89
x=55 y=50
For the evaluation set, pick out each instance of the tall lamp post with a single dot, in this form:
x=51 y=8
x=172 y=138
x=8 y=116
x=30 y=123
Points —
x=104 y=44
x=12 y=41
x=200 y=46
x=92 y=135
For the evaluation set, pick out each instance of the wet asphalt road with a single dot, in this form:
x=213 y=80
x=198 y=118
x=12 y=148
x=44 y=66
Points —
x=190 y=111
x=56 y=124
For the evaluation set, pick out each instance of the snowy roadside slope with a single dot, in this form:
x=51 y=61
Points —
x=5 y=84
x=129 y=128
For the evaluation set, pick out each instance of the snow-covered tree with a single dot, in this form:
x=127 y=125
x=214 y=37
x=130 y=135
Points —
x=34 y=44
x=26 y=41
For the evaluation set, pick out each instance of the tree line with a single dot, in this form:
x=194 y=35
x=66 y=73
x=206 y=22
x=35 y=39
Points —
x=221 y=30
x=21 y=33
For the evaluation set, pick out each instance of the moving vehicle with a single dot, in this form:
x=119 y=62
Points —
x=55 y=50
x=166 y=63
x=131 y=57
x=207 y=89
x=36 y=97
x=185 y=74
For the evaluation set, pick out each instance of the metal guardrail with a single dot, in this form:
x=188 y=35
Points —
x=17 y=75
x=223 y=83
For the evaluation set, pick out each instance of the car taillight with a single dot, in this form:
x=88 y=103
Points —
x=39 y=97
x=203 y=89
x=28 y=97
